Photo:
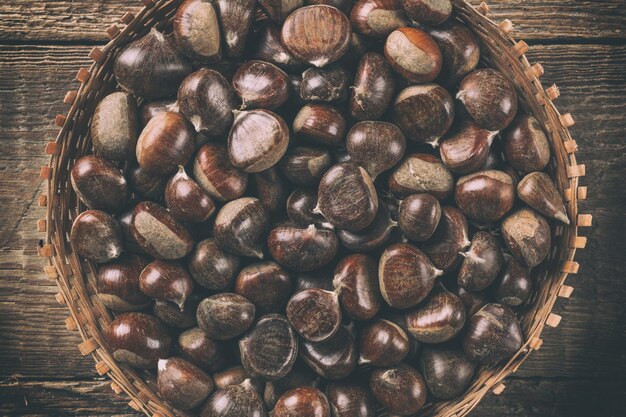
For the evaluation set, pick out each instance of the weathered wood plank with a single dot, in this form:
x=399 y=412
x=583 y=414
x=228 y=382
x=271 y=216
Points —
x=50 y=20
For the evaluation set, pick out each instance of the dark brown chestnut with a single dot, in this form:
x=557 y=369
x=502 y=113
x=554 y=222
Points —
x=400 y=389
x=266 y=285
x=182 y=384
x=130 y=244
x=423 y=112
x=235 y=401
x=421 y=173
x=300 y=376
x=302 y=402
x=151 y=66
x=231 y=376
x=315 y=314
x=413 y=54
x=167 y=141
x=197 y=31
x=356 y=283
x=333 y=359
x=300 y=206
x=96 y=236
x=278 y=10
x=138 y=340
x=149 y=109
x=527 y=235
x=449 y=239
x=167 y=281
x=211 y=267
x=514 y=285
x=118 y=284
x=373 y=236
x=185 y=199
x=378 y=18
x=493 y=334
x=257 y=140
x=302 y=249
x=428 y=12
x=225 y=316
x=145 y=184
x=347 y=197
x=481 y=263
x=207 y=100
x=485 y=196
x=321 y=123
x=236 y=19
x=489 y=98
x=376 y=146
x=406 y=275
x=217 y=175
x=473 y=301
x=324 y=84
x=271 y=49
x=158 y=233
x=321 y=278
x=171 y=314
x=350 y=400
x=374 y=86
x=343 y=5
x=447 y=371
x=440 y=318
x=418 y=216
x=305 y=165
x=467 y=149
x=114 y=127
x=240 y=227
x=539 y=191
x=383 y=343
x=460 y=51
x=99 y=184
x=269 y=188
x=261 y=85
x=526 y=147
x=201 y=350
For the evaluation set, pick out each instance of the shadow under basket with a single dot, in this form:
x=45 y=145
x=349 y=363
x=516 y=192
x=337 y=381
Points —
x=76 y=278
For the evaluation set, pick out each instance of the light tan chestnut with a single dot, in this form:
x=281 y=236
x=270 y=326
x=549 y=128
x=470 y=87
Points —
x=378 y=18
x=197 y=30
x=421 y=173
x=527 y=235
x=538 y=191
x=114 y=127
x=412 y=53
x=428 y=12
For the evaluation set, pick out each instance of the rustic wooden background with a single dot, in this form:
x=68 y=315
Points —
x=579 y=371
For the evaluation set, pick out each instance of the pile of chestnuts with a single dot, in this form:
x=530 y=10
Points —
x=330 y=211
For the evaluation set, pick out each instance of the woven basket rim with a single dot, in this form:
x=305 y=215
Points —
x=75 y=278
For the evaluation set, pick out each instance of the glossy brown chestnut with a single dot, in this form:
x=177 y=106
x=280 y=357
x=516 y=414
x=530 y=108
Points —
x=333 y=359
x=118 y=284
x=261 y=85
x=401 y=389
x=185 y=199
x=481 y=263
x=167 y=281
x=460 y=51
x=447 y=371
x=514 y=285
x=300 y=376
x=376 y=146
x=343 y=5
x=212 y=267
x=167 y=141
x=240 y=227
x=271 y=49
x=138 y=340
x=236 y=20
x=467 y=149
x=149 y=109
x=423 y=112
x=418 y=216
x=225 y=316
x=171 y=314
x=449 y=239
x=182 y=384
x=235 y=401
x=158 y=233
x=99 y=184
x=493 y=334
x=302 y=402
x=406 y=275
x=315 y=314
x=197 y=31
x=302 y=249
x=278 y=10
x=473 y=301
x=202 y=351
x=266 y=285
x=114 y=127
x=217 y=175
x=324 y=84
x=320 y=123
x=350 y=400
x=489 y=98
x=374 y=87
x=527 y=235
x=526 y=147
x=305 y=165
x=428 y=12
x=151 y=66
x=300 y=206
x=269 y=188
x=539 y=191
x=373 y=236
x=144 y=184
x=270 y=349
x=356 y=283
x=231 y=376
x=485 y=196
x=347 y=197
x=377 y=18
x=413 y=54
x=440 y=318
x=421 y=173
x=257 y=140
x=383 y=343
x=96 y=236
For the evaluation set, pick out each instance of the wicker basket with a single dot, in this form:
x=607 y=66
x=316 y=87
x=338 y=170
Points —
x=76 y=279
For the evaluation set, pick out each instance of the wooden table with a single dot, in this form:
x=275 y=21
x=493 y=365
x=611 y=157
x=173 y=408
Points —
x=580 y=369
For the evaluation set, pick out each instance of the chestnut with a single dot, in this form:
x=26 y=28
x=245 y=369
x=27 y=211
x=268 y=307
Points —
x=485 y=196
x=527 y=235
x=481 y=263
x=182 y=384
x=418 y=216
x=240 y=227
x=304 y=165
x=447 y=371
x=225 y=316
x=167 y=141
x=315 y=314
x=421 y=173
x=278 y=10
x=383 y=343
x=373 y=236
x=201 y=350
x=261 y=85
x=130 y=244
x=343 y=5
x=350 y=400
x=324 y=84
x=235 y=401
x=96 y=236
x=197 y=31
x=460 y=50
x=185 y=199
x=158 y=234
x=424 y=113
x=400 y=389
x=99 y=184
x=145 y=184
x=539 y=191
x=449 y=239
x=302 y=402
x=319 y=35
x=347 y=197
x=489 y=98
x=356 y=282
x=493 y=334
x=514 y=284
x=236 y=19
x=171 y=314
x=118 y=284
x=376 y=146
x=300 y=206
x=257 y=140
x=167 y=281
x=406 y=275
x=413 y=54
x=270 y=349
x=302 y=249
x=217 y=175
x=526 y=146
x=151 y=66
x=207 y=100
x=211 y=267
x=231 y=376
x=333 y=359
x=266 y=285
x=378 y=18
x=138 y=339
x=271 y=49
x=439 y=319
x=428 y=12
x=114 y=127
x=321 y=123
x=300 y=376
x=269 y=188
x=467 y=149
x=149 y=109
x=374 y=87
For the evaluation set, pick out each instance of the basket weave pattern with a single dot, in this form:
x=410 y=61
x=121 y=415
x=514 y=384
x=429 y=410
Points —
x=76 y=278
